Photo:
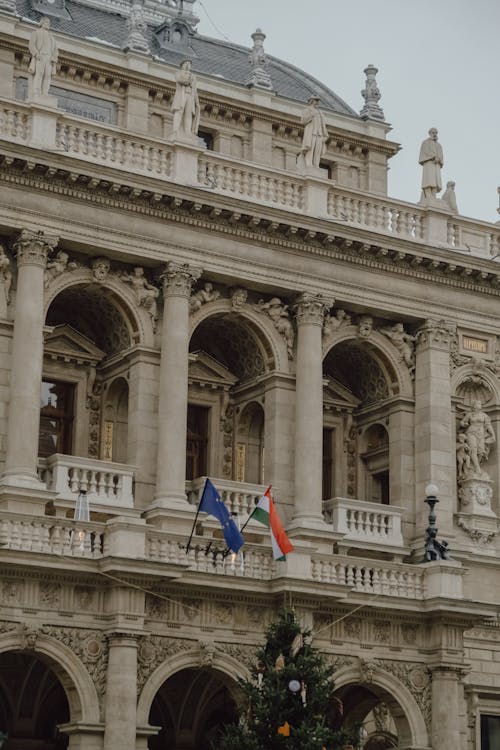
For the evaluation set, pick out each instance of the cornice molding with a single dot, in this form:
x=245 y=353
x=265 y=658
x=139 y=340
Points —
x=114 y=193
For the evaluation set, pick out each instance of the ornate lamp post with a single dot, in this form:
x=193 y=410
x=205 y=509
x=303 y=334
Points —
x=434 y=550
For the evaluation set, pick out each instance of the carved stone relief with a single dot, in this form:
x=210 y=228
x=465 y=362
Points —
x=91 y=648
x=279 y=313
x=417 y=678
x=403 y=342
x=56 y=267
x=207 y=293
x=145 y=293
x=332 y=323
x=5 y=282
x=153 y=651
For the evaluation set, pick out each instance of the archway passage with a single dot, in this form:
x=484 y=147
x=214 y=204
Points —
x=191 y=708
x=32 y=704
x=383 y=724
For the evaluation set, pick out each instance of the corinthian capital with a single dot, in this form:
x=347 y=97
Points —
x=312 y=308
x=33 y=248
x=178 y=279
x=436 y=333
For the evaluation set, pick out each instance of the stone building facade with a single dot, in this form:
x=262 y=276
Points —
x=172 y=309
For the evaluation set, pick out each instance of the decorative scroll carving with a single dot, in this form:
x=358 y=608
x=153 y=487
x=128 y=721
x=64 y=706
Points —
x=153 y=650
x=33 y=248
x=312 y=308
x=178 y=279
x=279 y=314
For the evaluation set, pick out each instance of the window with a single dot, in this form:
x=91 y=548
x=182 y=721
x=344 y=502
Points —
x=328 y=463
x=197 y=441
x=56 y=418
x=490 y=732
x=208 y=138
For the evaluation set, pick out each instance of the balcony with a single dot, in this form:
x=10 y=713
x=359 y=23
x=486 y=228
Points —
x=83 y=141
x=239 y=497
x=109 y=486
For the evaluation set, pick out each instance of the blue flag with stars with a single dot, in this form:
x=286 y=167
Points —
x=211 y=503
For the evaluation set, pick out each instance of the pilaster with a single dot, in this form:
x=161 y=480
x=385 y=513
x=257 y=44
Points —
x=121 y=692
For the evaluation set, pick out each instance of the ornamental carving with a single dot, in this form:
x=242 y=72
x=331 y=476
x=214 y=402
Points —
x=409 y=633
x=417 y=678
x=50 y=595
x=155 y=608
x=332 y=323
x=100 y=268
x=312 y=309
x=279 y=313
x=403 y=342
x=91 y=648
x=475 y=440
x=239 y=296
x=479 y=536
x=5 y=282
x=227 y=427
x=243 y=653
x=33 y=248
x=56 y=267
x=84 y=598
x=352 y=628
x=178 y=279
x=207 y=293
x=365 y=326
x=382 y=631
x=94 y=407
x=438 y=333
x=28 y=637
x=207 y=653
x=145 y=293
x=153 y=651
x=10 y=593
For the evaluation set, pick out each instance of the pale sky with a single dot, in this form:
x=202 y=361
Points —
x=438 y=64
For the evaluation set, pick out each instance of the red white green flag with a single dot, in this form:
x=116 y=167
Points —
x=266 y=513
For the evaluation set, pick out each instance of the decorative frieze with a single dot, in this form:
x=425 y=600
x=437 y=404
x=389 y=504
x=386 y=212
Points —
x=33 y=248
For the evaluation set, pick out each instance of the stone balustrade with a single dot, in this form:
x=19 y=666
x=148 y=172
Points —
x=369 y=577
x=137 y=154
x=240 y=497
x=106 y=484
x=365 y=522
x=50 y=535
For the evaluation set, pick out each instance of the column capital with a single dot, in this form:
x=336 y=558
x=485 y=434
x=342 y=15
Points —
x=178 y=279
x=311 y=308
x=435 y=333
x=33 y=248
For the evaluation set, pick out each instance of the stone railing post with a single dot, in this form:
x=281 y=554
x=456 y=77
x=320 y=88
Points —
x=310 y=311
x=434 y=445
x=173 y=399
x=32 y=249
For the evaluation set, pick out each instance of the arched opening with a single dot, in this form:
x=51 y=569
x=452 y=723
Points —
x=191 y=707
x=383 y=724
x=228 y=361
x=115 y=426
x=33 y=703
x=250 y=444
x=375 y=457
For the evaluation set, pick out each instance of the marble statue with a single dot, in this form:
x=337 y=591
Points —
x=431 y=159
x=5 y=282
x=463 y=456
x=206 y=294
x=145 y=293
x=403 y=342
x=449 y=197
x=43 y=49
x=185 y=104
x=278 y=312
x=478 y=436
x=315 y=134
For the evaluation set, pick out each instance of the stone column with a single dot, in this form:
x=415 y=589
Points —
x=121 y=692
x=310 y=312
x=446 y=707
x=32 y=249
x=434 y=444
x=173 y=399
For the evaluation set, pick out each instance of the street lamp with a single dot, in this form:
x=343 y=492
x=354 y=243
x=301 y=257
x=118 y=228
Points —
x=434 y=550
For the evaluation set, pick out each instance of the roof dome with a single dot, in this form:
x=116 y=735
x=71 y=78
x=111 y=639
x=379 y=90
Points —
x=170 y=35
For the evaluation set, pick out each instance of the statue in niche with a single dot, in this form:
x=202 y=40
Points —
x=100 y=268
x=239 y=296
x=145 y=293
x=479 y=437
x=334 y=322
x=43 y=49
x=365 y=326
x=185 y=104
x=278 y=312
x=206 y=294
x=404 y=343
x=315 y=134
x=5 y=282
x=463 y=456
x=449 y=197
x=431 y=159
x=57 y=266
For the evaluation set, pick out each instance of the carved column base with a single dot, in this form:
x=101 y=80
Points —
x=475 y=496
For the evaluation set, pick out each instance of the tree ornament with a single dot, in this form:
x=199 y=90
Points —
x=303 y=693
x=260 y=674
x=297 y=644
x=294 y=686
x=284 y=729
x=279 y=663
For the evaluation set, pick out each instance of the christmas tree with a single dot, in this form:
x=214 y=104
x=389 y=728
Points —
x=289 y=700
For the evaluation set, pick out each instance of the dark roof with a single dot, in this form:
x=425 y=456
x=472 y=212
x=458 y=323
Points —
x=210 y=57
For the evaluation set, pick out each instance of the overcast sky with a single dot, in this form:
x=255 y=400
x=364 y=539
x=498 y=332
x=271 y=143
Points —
x=439 y=65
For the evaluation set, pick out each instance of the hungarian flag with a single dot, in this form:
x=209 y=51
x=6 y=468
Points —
x=266 y=513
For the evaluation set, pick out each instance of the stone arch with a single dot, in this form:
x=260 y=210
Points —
x=250 y=436
x=137 y=320
x=382 y=351
x=228 y=668
x=270 y=343
x=71 y=672
x=409 y=720
x=116 y=402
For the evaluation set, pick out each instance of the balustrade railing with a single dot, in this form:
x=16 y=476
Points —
x=364 y=522
x=384 y=579
x=239 y=497
x=57 y=536
x=105 y=483
x=382 y=214
x=14 y=122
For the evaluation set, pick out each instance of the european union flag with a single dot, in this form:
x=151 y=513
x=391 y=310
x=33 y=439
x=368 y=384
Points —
x=211 y=503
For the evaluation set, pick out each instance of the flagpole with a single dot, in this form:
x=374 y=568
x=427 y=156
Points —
x=251 y=514
x=188 y=546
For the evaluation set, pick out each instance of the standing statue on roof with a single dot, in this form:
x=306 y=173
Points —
x=43 y=49
x=186 y=105
x=431 y=159
x=315 y=134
